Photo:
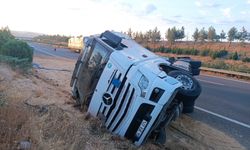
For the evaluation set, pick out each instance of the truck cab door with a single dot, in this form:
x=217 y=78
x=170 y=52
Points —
x=91 y=70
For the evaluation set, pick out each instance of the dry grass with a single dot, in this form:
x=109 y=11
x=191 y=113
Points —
x=38 y=93
x=186 y=133
x=49 y=119
x=14 y=118
x=243 y=51
x=13 y=125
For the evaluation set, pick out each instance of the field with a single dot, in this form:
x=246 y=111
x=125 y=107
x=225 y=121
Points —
x=37 y=109
x=219 y=55
x=233 y=47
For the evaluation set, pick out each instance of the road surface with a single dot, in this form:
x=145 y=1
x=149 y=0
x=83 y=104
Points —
x=48 y=50
x=224 y=103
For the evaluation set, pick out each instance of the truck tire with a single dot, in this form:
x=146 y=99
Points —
x=194 y=64
x=77 y=98
x=73 y=77
x=190 y=90
x=188 y=109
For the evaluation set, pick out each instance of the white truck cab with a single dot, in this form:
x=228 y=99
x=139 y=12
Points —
x=127 y=86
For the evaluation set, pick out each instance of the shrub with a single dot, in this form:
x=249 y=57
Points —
x=213 y=55
x=18 y=49
x=167 y=50
x=205 y=52
x=5 y=36
x=179 y=51
x=218 y=54
x=16 y=53
x=23 y=64
x=246 y=59
x=234 y=56
x=161 y=49
x=194 y=52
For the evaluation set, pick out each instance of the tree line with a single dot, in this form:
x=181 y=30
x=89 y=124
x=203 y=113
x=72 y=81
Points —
x=200 y=35
x=52 y=39
x=233 y=34
x=149 y=36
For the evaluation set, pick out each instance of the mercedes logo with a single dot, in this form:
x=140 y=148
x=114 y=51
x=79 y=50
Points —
x=107 y=99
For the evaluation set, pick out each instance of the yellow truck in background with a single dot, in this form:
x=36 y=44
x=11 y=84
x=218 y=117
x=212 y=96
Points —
x=76 y=44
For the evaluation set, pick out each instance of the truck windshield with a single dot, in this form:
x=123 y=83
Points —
x=97 y=57
x=92 y=70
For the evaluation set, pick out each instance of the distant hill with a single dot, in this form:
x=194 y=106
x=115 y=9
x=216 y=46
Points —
x=25 y=34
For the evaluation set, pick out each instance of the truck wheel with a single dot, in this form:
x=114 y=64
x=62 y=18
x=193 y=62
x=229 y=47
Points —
x=189 y=92
x=77 y=99
x=188 y=109
x=78 y=62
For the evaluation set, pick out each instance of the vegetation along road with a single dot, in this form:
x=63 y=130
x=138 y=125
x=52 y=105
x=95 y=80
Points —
x=223 y=104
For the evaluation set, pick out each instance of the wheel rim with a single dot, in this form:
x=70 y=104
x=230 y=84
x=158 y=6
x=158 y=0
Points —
x=187 y=82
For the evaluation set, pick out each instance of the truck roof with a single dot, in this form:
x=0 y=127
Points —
x=125 y=49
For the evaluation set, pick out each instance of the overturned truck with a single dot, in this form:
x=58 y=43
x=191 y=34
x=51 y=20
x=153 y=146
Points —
x=135 y=92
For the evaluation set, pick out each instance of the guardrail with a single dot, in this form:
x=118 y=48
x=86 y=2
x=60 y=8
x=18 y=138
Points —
x=227 y=73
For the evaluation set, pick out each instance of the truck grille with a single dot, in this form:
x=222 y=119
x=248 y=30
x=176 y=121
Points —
x=122 y=98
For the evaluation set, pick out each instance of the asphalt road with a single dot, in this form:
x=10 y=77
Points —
x=48 y=50
x=224 y=103
x=230 y=98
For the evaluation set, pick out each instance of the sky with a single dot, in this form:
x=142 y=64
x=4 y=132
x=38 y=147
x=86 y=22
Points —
x=86 y=17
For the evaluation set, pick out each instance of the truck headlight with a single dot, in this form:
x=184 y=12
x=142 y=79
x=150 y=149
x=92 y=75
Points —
x=143 y=84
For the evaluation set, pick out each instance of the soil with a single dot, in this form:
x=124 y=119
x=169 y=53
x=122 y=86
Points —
x=37 y=112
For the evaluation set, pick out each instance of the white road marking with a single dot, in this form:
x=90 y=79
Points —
x=210 y=82
x=226 y=78
x=223 y=117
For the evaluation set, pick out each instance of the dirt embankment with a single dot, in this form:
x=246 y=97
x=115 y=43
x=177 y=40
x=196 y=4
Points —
x=37 y=111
